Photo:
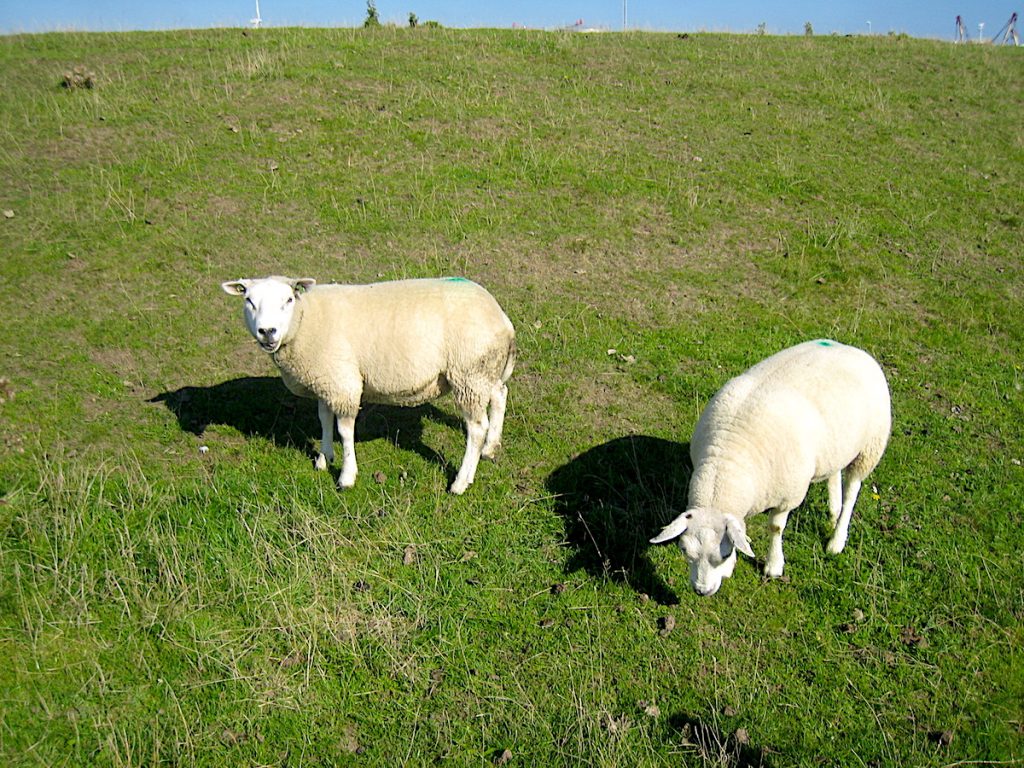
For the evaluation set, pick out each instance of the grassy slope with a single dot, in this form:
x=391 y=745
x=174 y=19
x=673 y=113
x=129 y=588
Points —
x=694 y=204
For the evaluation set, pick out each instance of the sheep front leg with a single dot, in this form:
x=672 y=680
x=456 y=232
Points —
x=347 y=430
x=476 y=433
x=326 y=455
x=776 y=525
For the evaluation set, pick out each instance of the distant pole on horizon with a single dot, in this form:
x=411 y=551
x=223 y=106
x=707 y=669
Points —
x=257 y=20
x=981 y=31
x=625 y=25
x=869 y=28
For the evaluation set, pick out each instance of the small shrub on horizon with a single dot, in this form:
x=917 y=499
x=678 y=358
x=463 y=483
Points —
x=372 y=18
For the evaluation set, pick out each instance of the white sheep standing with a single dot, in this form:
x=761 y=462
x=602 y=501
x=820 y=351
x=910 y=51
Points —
x=816 y=411
x=399 y=343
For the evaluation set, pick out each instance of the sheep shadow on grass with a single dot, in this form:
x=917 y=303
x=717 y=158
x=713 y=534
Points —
x=616 y=496
x=262 y=406
x=714 y=746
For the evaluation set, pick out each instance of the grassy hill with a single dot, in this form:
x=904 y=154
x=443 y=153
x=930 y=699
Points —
x=655 y=213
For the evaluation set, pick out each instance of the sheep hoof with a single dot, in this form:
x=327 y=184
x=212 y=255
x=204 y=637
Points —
x=490 y=454
x=345 y=483
x=835 y=547
x=772 y=571
x=458 y=488
x=321 y=462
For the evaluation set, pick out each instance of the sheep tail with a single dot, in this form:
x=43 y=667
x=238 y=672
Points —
x=510 y=360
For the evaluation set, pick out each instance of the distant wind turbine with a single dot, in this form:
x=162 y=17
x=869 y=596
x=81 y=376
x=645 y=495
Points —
x=257 y=20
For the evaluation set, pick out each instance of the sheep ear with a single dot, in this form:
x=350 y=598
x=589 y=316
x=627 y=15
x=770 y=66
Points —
x=303 y=284
x=235 y=287
x=673 y=529
x=736 y=530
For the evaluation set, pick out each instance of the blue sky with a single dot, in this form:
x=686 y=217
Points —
x=921 y=18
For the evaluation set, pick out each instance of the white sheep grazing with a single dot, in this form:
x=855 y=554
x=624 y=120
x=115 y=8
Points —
x=813 y=412
x=399 y=343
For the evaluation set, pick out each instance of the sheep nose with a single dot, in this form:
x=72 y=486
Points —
x=266 y=332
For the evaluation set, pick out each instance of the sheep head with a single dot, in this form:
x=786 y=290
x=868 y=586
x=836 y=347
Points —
x=709 y=540
x=269 y=306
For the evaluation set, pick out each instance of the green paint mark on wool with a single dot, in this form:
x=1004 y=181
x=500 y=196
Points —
x=456 y=279
x=825 y=343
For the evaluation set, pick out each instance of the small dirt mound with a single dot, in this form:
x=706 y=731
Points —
x=79 y=77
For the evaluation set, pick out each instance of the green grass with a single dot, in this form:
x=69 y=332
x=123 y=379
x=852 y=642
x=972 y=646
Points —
x=692 y=204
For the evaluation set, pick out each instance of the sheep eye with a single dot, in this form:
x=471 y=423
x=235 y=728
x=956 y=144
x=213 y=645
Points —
x=290 y=300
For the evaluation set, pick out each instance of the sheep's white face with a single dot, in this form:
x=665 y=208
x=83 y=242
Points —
x=711 y=555
x=269 y=306
x=709 y=541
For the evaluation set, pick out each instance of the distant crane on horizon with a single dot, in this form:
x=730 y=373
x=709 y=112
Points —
x=1008 y=32
x=257 y=20
x=1004 y=36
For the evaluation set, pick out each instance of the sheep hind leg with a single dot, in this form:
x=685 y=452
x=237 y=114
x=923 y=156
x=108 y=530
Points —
x=842 y=527
x=495 y=421
x=326 y=455
x=859 y=469
x=347 y=430
x=835 y=498
x=476 y=433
